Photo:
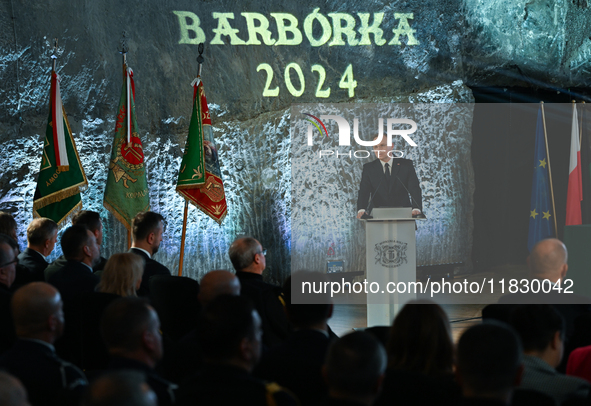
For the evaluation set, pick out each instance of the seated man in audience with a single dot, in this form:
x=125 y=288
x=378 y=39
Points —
x=120 y=388
x=131 y=330
x=248 y=257
x=12 y=391
x=82 y=252
x=39 y=321
x=489 y=364
x=41 y=238
x=541 y=329
x=297 y=363
x=354 y=370
x=92 y=221
x=186 y=356
x=8 y=262
x=146 y=231
x=548 y=261
x=9 y=227
x=231 y=333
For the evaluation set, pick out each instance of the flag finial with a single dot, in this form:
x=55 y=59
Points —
x=200 y=58
x=124 y=48
x=54 y=54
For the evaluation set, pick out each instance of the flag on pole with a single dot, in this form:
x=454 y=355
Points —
x=575 y=187
x=61 y=177
x=541 y=224
x=200 y=178
x=585 y=164
x=126 y=193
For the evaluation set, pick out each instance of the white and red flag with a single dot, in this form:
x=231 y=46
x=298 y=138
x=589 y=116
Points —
x=575 y=185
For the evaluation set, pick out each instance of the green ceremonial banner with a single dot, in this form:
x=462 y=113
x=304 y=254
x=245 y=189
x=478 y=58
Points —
x=61 y=178
x=126 y=193
x=192 y=172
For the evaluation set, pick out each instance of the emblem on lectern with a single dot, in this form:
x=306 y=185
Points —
x=391 y=254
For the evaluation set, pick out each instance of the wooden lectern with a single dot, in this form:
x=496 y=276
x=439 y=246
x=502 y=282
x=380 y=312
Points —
x=391 y=258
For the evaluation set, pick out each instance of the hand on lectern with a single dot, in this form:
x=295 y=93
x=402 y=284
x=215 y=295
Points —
x=360 y=213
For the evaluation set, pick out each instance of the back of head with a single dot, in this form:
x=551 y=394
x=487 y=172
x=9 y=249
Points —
x=489 y=359
x=216 y=283
x=32 y=305
x=12 y=391
x=309 y=309
x=124 y=322
x=242 y=252
x=120 y=388
x=424 y=347
x=87 y=218
x=73 y=241
x=226 y=321
x=536 y=325
x=145 y=223
x=8 y=225
x=547 y=258
x=40 y=230
x=354 y=364
x=121 y=274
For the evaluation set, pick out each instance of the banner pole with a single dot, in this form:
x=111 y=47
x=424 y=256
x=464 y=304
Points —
x=549 y=169
x=183 y=238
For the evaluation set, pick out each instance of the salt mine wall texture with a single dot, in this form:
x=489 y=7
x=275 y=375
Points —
x=260 y=57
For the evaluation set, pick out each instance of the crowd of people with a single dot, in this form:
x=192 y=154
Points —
x=86 y=330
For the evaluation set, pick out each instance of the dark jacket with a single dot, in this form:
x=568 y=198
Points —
x=267 y=301
x=151 y=268
x=34 y=262
x=48 y=379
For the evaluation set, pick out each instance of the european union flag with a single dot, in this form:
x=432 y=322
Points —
x=541 y=223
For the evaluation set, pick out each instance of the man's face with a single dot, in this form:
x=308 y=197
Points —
x=94 y=250
x=257 y=339
x=157 y=237
x=155 y=332
x=52 y=242
x=381 y=150
x=98 y=233
x=8 y=268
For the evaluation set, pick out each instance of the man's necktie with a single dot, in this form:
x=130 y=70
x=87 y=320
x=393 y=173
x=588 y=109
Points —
x=387 y=173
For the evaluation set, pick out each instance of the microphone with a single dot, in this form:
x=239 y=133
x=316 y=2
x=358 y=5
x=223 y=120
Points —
x=367 y=214
x=422 y=215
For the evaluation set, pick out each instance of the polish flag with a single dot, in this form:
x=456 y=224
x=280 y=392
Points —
x=575 y=185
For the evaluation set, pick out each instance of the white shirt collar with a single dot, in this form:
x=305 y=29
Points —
x=88 y=266
x=143 y=250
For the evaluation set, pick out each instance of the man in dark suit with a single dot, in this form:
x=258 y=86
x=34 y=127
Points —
x=8 y=262
x=388 y=181
x=41 y=238
x=297 y=363
x=248 y=257
x=146 y=230
x=39 y=322
x=131 y=331
x=354 y=370
x=82 y=252
x=92 y=221
x=231 y=333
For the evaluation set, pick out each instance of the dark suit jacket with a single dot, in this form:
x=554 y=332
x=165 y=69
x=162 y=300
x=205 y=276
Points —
x=297 y=365
x=392 y=194
x=225 y=385
x=276 y=327
x=61 y=261
x=7 y=335
x=415 y=389
x=48 y=379
x=164 y=390
x=74 y=278
x=34 y=262
x=151 y=268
